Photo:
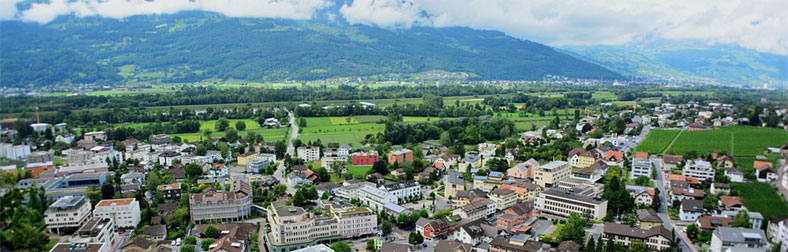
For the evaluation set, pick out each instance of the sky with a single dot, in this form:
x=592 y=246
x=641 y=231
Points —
x=761 y=25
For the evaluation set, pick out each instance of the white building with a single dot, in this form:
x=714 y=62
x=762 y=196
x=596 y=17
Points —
x=738 y=239
x=699 y=169
x=308 y=153
x=67 y=212
x=18 y=152
x=551 y=173
x=125 y=213
x=405 y=192
x=562 y=203
x=39 y=127
x=375 y=198
x=503 y=198
x=97 y=235
x=640 y=167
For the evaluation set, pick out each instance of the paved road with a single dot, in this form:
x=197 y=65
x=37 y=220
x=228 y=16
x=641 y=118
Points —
x=685 y=243
x=278 y=174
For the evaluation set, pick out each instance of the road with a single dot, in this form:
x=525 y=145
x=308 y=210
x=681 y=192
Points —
x=685 y=244
x=279 y=173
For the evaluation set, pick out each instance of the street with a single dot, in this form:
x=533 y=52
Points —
x=278 y=174
x=685 y=243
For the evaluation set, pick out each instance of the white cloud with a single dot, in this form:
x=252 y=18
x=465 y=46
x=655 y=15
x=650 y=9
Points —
x=8 y=9
x=292 y=9
x=760 y=25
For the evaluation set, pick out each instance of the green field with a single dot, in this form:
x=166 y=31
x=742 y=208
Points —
x=355 y=170
x=657 y=141
x=760 y=197
x=272 y=134
x=739 y=140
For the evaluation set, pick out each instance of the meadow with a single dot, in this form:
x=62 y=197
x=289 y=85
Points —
x=657 y=141
x=269 y=134
x=745 y=141
x=760 y=197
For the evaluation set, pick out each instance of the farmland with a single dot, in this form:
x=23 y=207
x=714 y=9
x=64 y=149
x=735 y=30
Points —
x=271 y=134
x=657 y=141
x=739 y=140
x=760 y=197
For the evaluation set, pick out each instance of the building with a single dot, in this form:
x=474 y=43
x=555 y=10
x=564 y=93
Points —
x=691 y=210
x=453 y=183
x=579 y=157
x=756 y=219
x=308 y=153
x=155 y=232
x=96 y=136
x=97 y=235
x=735 y=175
x=640 y=167
x=364 y=158
x=231 y=205
x=738 y=239
x=36 y=169
x=592 y=173
x=432 y=229
x=778 y=231
x=709 y=222
x=405 y=192
x=525 y=191
x=294 y=228
x=648 y=218
x=475 y=210
x=67 y=212
x=699 y=169
x=655 y=238
x=357 y=222
x=260 y=162
x=643 y=196
x=550 y=173
x=245 y=158
x=400 y=156
x=160 y=139
x=503 y=198
x=375 y=198
x=517 y=243
x=171 y=191
x=124 y=212
x=40 y=157
x=562 y=203
x=39 y=127
x=17 y=152
x=523 y=170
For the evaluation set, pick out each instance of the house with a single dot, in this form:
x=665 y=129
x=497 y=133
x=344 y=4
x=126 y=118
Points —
x=738 y=239
x=709 y=222
x=400 y=156
x=735 y=175
x=691 y=210
x=720 y=188
x=136 y=244
x=470 y=161
x=453 y=246
x=446 y=161
x=655 y=238
x=474 y=233
x=643 y=195
x=503 y=198
x=613 y=157
x=648 y=218
x=764 y=171
x=672 y=161
x=477 y=209
x=699 y=169
x=432 y=229
x=171 y=191
x=525 y=191
x=579 y=157
x=523 y=170
x=155 y=232
x=731 y=203
x=725 y=162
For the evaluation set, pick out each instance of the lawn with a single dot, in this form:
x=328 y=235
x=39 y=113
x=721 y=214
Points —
x=740 y=140
x=356 y=169
x=760 y=197
x=657 y=141
x=343 y=134
x=604 y=95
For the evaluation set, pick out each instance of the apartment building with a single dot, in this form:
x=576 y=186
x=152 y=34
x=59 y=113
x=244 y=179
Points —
x=579 y=157
x=171 y=191
x=549 y=174
x=17 y=152
x=640 y=167
x=96 y=235
x=125 y=213
x=364 y=158
x=67 y=212
x=356 y=222
x=400 y=156
x=454 y=182
x=702 y=170
x=503 y=198
x=375 y=198
x=405 y=192
x=655 y=238
x=738 y=239
x=477 y=209
x=562 y=203
x=293 y=228
x=308 y=153
x=231 y=205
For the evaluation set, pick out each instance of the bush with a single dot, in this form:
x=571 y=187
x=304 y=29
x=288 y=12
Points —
x=187 y=248
x=205 y=243
x=190 y=240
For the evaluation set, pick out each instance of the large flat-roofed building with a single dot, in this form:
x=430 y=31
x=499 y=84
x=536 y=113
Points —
x=405 y=191
x=549 y=174
x=738 y=239
x=375 y=198
x=171 y=191
x=400 y=156
x=293 y=228
x=562 y=203
x=702 y=170
x=71 y=185
x=655 y=238
x=231 y=205
x=67 y=212
x=640 y=167
x=356 y=222
x=96 y=235
x=17 y=152
x=125 y=213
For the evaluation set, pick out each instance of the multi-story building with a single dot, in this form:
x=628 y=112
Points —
x=655 y=238
x=778 y=231
x=400 y=156
x=579 y=157
x=515 y=243
x=308 y=153
x=356 y=222
x=125 y=213
x=503 y=198
x=477 y=209
x=41 y=157
x=562 y=203
x=96 y=136
x=365 y=158
x=549 y=174
x=489 y=182
x=97 y=235
x=375 y=198
x=260 y=162
x=405 y=192
x=453 y=182
x=293 y=228
x=640 y=167
x=67 y=212
x=525 y=191
x=702 y=170
x=17 y=152
x=231 y=205
x=523 y=170
x=738 y=239
x=171 y=191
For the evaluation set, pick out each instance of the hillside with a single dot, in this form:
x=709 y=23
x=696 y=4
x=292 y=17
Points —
x=195 y=46
x=690 y=60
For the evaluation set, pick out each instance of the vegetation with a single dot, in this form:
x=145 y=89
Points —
x=760 y=197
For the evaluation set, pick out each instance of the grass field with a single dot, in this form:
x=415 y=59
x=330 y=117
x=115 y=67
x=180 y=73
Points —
x=760 y=197
x=657 y=141
x=355 y=170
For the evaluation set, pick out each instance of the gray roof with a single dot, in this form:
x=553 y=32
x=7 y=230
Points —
x=626 y=230
x=393 y=186
x=290 y=211
x=455 y=178
x=740 y=235
x=571 y=195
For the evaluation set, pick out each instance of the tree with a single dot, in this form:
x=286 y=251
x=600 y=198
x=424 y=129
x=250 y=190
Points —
x=574 y=230
x=190 y=240
x=692 y=231
x=710 y=202
x=742 y=219
x=299 y=199
x=205 y=243
x=188 y=248
x=222 y=124
x=323 y=175
x=445 y=139
x=211 y=231
x=386 y=228
x=590 y=246
x=371 y=245
x=231 y=135
x=193 y=171
x=642 y=180
x=240 y=125
x=340 y=246
x=179 y=218
x=302 y=123
x=280 y=190
x=415 y=238
x=107 y=191
x=380 y=167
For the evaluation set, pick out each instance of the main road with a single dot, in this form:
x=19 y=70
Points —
x=685 y=244
x=279 y=173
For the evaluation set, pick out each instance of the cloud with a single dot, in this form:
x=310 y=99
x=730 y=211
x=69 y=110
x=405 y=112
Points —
x=8 y=9
x=760 y=25
x=291 y=9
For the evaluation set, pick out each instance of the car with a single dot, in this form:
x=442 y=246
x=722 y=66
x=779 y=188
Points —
x=178 y=241
x=172 y=243
x=121 y=231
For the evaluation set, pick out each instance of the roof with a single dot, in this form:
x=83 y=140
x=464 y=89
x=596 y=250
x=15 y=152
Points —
x=712 y=222
x=730 y=201
x=522 y=208
x=139 y=242
x=453 y=246
x=641 y=154
x=568 y=246
x=760 y=164
x=614 y=155
x=553 y=165
x=155 y=230
x=290 y=211
x=580 y=152
x=740 y=235
x=394 y=247
x=645 y=215
x=626 y=230
x=455 y=178
x=115 y=202
x=502 y=191
x=672 y=159
x=393 y=186
x=515 y=243
x=689 y=205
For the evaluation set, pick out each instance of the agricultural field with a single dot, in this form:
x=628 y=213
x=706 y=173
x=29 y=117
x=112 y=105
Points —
x=760 y=197
x=337 y=129
x=272 y=134
x=657 y=141
x=739 y=140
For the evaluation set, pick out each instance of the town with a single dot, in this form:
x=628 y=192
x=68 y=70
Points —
x=609 y=177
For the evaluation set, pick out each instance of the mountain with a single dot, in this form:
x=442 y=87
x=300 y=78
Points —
x=688 y=60
x=195 y=46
